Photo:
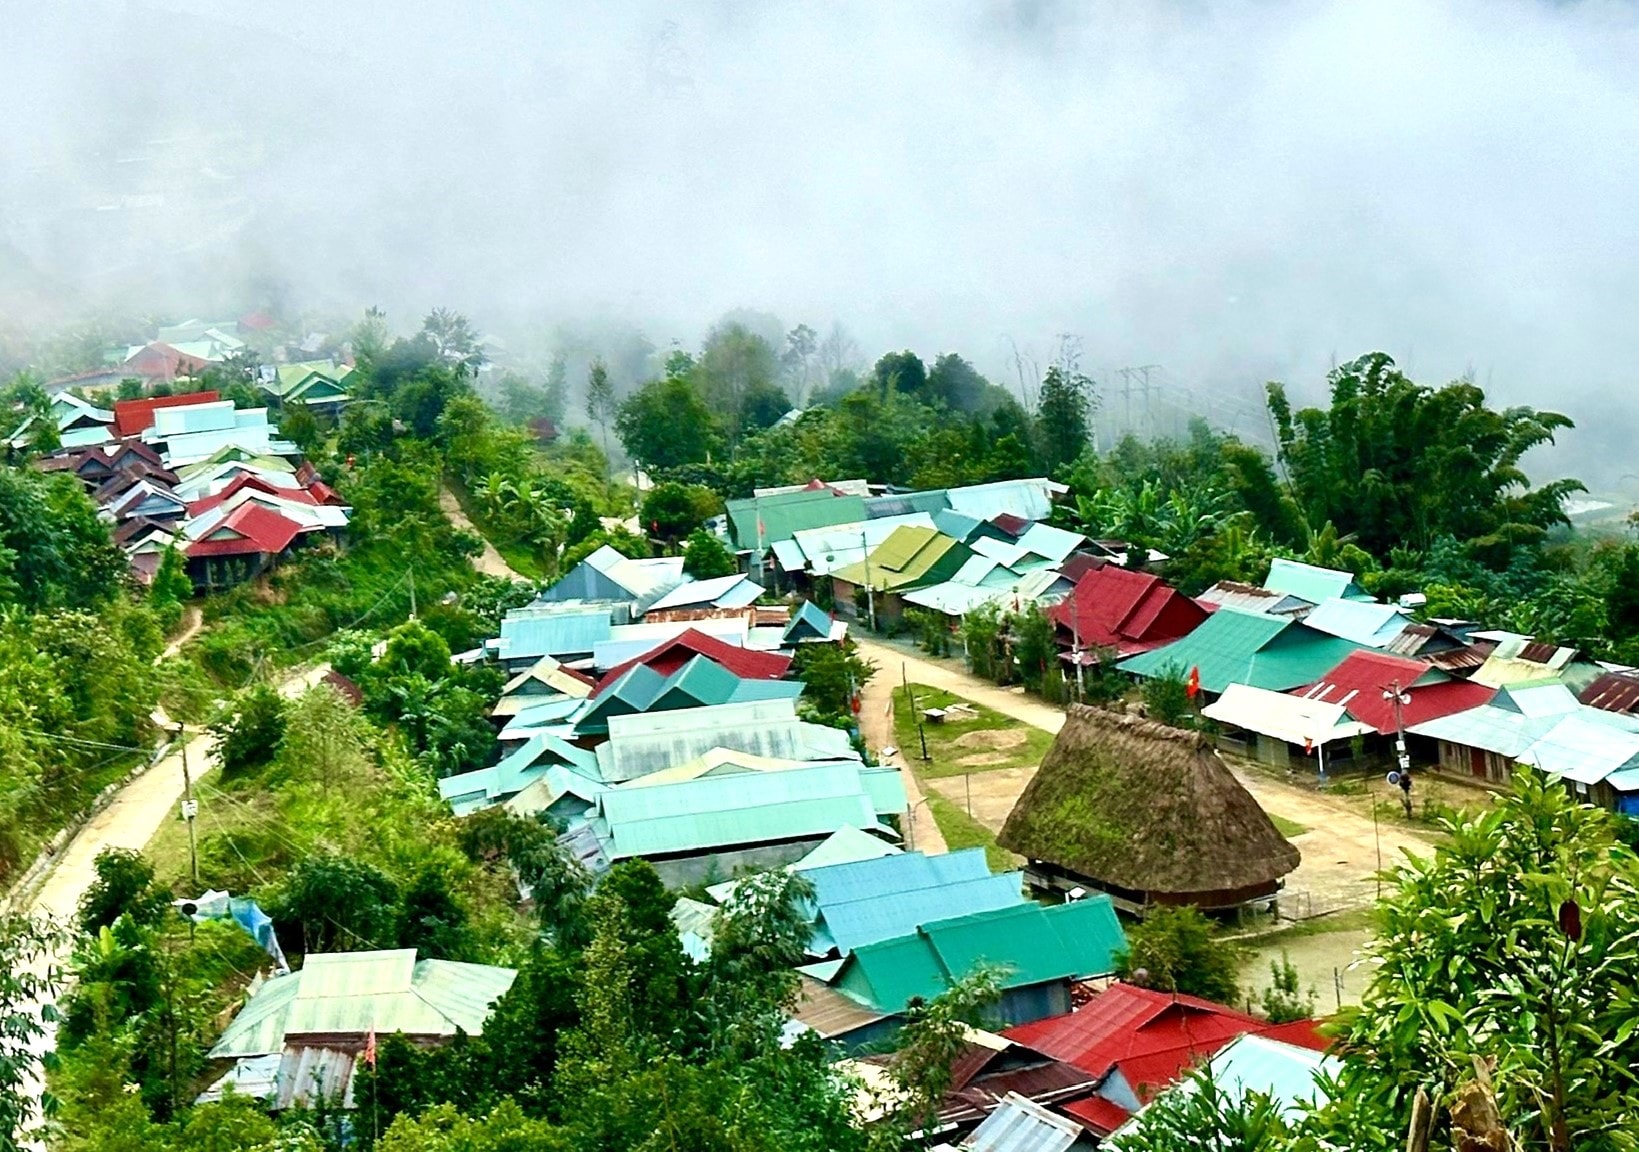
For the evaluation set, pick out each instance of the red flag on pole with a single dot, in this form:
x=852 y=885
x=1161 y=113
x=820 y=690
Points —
x=1194 y=685
x=370 y=1048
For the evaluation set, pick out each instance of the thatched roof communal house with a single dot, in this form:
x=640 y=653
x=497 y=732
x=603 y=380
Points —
x=1149 y=814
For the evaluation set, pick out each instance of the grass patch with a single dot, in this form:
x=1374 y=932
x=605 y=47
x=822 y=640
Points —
x=962 y=831
x=1287 y=828
x=975 y=741
x=520 y=558
x=1350 y=920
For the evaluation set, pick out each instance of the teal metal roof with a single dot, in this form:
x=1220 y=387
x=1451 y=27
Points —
x=711 y=812
x=700 y=683
x=352 y=994
x=1235 y=647
x=1030 y=943
x=1307 y=582
x=471 y=791
x=874 y=900
x=808 y=622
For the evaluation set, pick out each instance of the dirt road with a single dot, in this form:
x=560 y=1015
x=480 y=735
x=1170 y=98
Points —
x=489 y=561
x=130 y=821
x=876 y=727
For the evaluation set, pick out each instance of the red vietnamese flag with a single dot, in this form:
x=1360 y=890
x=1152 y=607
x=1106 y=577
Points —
x=1194 y=685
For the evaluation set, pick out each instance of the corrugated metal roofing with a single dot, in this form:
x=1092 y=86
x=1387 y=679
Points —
x=716 y=812
x=909 y=558
x=529 y=634
x=955 y=598
x=1293 y=719
x=760 y=521
x=1584 y=747
x=1513 y=720
x=808 y=622
x=1613 y=692
x=1311 y=583
x=470 y=791
x=1020 y=1125
x=720 y=592
x=1030 y=499
x=1235 y=647
x=1049 y=542
x=1517 y=660
x=1032 y=944
x=846 y=924
x=648 y=742
x=827 y=549
x=1369 y=625
x=1290 y=1076
x=956 y=525
x=906 y=503
x=351 y=994
x=1360 y=681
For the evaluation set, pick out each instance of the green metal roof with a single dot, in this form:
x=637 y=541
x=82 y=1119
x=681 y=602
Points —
x=701 y=683
x=1234 y=647
x=808 y=622
x=1031 y=943
x=351 y=994
x=1313 y=584
x=911 y=557
x=788 y=513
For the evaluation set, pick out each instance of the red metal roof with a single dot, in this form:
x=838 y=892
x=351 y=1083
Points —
x=132 y=417
x=250 y=480
x=670 y=655
x=1613 y=692
x=1078 y=564
x=1132 y=612
x=1098 y=1115
x=1358 y=683
x=1014 y=526
x=257 y=529
x=1125 y=1022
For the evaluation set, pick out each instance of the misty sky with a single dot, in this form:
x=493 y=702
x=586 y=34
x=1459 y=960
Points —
x=1236 y=191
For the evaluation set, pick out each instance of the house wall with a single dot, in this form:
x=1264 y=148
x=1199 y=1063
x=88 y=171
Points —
x=1034 y=1002
x=1475 y=763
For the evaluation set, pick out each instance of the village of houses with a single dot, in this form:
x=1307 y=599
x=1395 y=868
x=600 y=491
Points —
x=654 y=716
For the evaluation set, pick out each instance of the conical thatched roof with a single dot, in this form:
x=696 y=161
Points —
x=1141 y=806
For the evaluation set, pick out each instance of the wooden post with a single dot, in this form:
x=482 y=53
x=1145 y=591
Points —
x=1422 y=1122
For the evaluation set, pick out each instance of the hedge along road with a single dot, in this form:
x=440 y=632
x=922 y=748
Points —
x=130 y=820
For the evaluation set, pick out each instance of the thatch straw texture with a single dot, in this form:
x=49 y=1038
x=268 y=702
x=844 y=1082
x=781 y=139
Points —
x=1153 y=809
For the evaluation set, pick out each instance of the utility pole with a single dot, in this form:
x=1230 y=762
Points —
x=1399 y=699
x=870 y=592
x=910 y=698
x=190 y=807
x=412 y=591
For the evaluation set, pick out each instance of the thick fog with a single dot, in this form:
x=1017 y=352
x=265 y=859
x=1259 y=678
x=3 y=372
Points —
x=1233 y=191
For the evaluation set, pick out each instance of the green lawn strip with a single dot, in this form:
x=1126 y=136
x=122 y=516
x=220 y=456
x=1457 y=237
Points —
x=1287 y=828
x=945 y=748
x=962 y=831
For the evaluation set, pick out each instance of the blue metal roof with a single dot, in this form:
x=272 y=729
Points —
x=865 y=901
x=529 y=635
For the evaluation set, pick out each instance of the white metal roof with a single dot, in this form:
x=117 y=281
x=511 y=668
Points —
x=1294 y=719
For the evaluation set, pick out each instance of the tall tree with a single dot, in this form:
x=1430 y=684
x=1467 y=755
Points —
x=1062 y=409
x=1396 y=463
x=600 y=398
x=667 y=424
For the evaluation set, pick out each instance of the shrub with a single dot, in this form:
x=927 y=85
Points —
x=1177 y=950
x=124 y=885
x=249 y=737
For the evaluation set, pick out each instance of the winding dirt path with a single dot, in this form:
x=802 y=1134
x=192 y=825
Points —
x=130 y=821
x=192 y=621
x=489 y=561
